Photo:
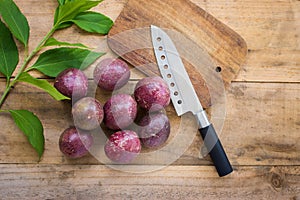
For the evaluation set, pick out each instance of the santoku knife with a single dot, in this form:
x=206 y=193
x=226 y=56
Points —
x=184 y=97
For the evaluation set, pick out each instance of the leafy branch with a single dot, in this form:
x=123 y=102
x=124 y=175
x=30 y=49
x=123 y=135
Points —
x=13 y=24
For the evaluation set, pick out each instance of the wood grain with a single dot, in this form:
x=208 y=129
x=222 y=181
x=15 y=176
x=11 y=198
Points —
x=188 y=182
x=271 y=30
x=130 y=38
x=261 y=126
x=260 y=132
x=263 y=24
x=258 y=23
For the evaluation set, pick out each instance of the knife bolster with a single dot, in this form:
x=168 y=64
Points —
x=202 y=119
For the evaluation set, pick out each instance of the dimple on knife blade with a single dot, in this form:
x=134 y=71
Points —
x=184 y=97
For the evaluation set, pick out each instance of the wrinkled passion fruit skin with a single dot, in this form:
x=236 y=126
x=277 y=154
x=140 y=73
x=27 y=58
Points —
x=87 y=113
x=119 y=111
x=152 y=93
x=72 y=83
x=123 y=146
x=74 y=144
x=154 y=130
x=111 y=74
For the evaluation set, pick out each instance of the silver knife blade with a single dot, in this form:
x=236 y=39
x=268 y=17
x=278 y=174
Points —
x=183 y=95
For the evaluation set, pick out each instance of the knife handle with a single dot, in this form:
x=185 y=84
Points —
x=216 y=151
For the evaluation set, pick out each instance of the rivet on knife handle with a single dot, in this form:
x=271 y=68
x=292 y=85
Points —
x=184 y=97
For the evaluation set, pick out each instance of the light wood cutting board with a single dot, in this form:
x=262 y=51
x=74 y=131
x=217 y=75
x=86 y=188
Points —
x=188 y=25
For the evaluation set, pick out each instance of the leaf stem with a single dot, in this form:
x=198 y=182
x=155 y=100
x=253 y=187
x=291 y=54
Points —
x=32 y=54
x=4 y=95
x=7 y=82
x=25 y=63
x=26 y=52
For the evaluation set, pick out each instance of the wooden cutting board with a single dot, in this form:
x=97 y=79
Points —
x=196 y=34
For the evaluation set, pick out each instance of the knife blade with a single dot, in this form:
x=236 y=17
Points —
x=184 y=97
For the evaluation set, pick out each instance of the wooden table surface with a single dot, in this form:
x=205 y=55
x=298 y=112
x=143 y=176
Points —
x=261 y=131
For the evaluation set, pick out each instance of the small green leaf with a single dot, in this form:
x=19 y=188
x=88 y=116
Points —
x=15 y=20
x=61 y=2
x=54 y=61
x=32 y=127
x=64 y=25
x=93 y=22
x=69 y=10
x=54 y=42
x=42 y=84
x=9 y=56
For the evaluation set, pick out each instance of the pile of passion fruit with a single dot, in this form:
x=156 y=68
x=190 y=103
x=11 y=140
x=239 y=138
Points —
x=151 y=95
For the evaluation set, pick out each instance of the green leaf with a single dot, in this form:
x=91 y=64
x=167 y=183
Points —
x=32 y=127
x=15 y=20
x=68 y=11
x=61 y=25
x=61 y=2
x=64 y=25
x=42 y=84
x=54 y=61
x=93 y=22
x=54 y=42
x=9 y=56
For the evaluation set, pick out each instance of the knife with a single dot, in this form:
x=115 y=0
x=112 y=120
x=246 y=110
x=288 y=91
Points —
x=184 y=97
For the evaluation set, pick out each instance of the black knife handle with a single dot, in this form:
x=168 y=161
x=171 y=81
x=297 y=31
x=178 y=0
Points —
x=216 y=151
